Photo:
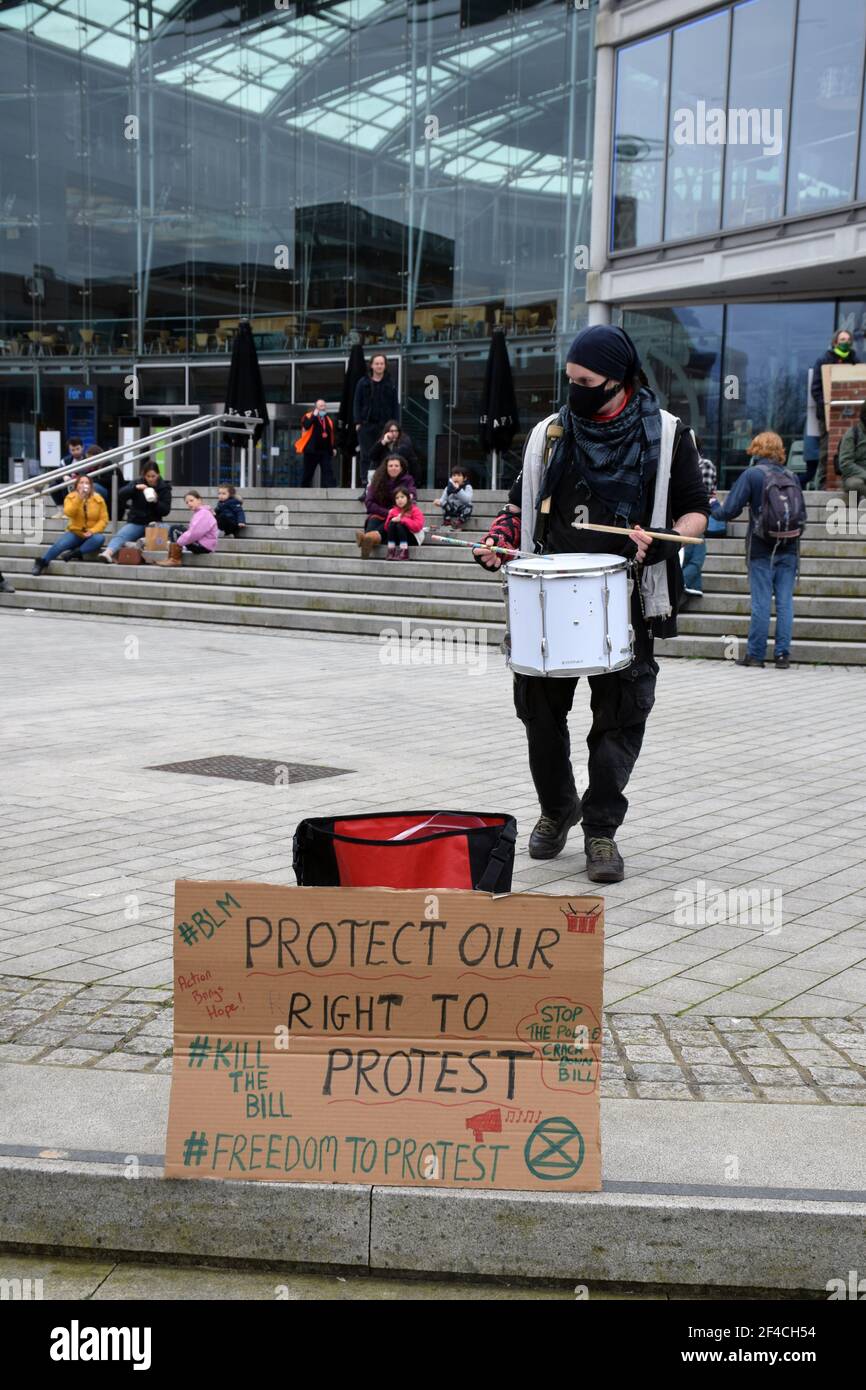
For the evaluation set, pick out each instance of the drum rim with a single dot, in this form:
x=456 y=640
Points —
x=614 y=564
x=572 y=672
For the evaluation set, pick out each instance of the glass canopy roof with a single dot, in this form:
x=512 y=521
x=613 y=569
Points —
x=255 y=67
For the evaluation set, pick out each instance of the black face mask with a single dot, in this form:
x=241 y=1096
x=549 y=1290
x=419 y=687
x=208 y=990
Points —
x=585 y=401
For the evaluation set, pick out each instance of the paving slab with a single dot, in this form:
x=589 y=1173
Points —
x=743 y=838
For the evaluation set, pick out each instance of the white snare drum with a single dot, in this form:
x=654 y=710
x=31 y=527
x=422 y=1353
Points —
x=568 y=615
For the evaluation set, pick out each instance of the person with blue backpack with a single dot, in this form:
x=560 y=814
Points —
x=777 y=519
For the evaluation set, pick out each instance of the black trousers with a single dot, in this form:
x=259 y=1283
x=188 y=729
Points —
x=314 y=461
x=621 y=704
x=368 y=438
x=398 y=533
x=231 y=529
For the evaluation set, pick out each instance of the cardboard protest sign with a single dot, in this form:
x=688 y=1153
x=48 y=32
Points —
x=376 y=1036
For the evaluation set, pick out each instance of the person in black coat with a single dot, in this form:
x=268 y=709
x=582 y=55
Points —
x=841 y=350
x=148 y=500
x=375 y=405
x=603 y=468
x=394 y=441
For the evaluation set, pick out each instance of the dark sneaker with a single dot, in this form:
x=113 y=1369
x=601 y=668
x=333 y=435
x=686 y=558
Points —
x=749 y=661
x=603 y=860
x=783 y=662
x=549 y=835
x=5 y=586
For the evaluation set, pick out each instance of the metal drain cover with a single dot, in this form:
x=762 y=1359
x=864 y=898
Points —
x=237 y=769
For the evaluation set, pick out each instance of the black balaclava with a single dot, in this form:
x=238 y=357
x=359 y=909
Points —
x=607 y=351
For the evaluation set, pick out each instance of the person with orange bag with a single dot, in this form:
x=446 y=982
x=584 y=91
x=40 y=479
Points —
x=316 y=445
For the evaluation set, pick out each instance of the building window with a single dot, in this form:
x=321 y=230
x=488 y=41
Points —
x=681 y=353
x=828 y=94
x=744 y=116
x=698 y=81
x=639 y=143
x=769 y=349
x=761 y=50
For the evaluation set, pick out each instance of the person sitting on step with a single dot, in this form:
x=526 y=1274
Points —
x=404 y=525
x=456 y=500
x=149 y=500
x=230 y=516
x=86 y=520
x=199 y=537
x=394 y=440
x=379 y=499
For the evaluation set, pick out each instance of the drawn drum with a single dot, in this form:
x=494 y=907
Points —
x=568 y=615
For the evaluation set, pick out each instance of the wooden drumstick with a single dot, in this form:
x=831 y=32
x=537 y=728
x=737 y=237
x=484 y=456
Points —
x=624 y=530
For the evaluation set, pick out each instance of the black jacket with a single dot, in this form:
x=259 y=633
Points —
x=832 y=359
x=321 y=441
x=230 y=511
x=142 y=512
x=404 y=447
x=375 y=401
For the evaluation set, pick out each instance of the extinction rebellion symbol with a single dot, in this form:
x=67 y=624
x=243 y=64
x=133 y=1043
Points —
x=554 y=1150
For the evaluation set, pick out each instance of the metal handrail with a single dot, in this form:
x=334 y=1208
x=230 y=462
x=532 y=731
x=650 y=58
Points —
x=145 y=446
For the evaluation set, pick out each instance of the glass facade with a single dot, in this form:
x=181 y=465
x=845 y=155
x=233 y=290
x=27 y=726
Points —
x=377 y=171
x=732 y=370
x=746 y=115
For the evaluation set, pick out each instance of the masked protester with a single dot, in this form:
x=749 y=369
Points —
x=615 y=449
x=841 y=350
x=316 y=444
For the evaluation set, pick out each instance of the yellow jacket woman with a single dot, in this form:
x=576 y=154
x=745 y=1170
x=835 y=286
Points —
x=85 y=515
x=86 y=520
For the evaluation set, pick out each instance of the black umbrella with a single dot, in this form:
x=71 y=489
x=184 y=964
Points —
x=346 y=436
x=499 y=420
x=245 y=394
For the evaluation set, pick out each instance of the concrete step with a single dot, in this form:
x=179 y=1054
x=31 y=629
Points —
x=175 y=587
x=733 y=562
x=343 y=525
x=807 y=584
x=300 y=527
x=785 y=1222
x=240 y=615
x=807 y=606
x=803 y=652
x=391 y=580
x=388 y=580
x=430 y=553
x=235 y=563
x=805 y=628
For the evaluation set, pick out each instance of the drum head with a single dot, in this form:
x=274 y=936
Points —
x=571 y=564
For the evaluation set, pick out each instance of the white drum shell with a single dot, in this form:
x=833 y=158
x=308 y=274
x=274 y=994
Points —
x=568 y=615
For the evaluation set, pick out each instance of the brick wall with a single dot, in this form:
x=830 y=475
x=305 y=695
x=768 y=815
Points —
x=844 y=412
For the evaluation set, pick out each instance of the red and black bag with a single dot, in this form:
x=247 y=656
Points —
x=406 y=849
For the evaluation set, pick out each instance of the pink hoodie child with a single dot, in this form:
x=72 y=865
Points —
x=412 y=518
x=202 y=530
